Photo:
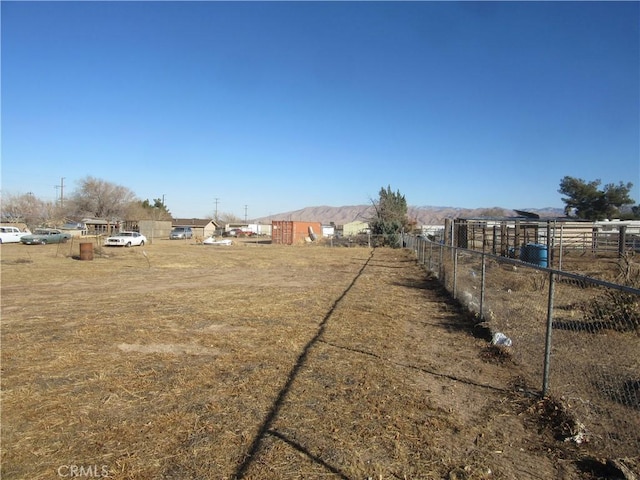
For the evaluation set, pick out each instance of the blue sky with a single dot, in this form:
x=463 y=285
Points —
x=278 y=106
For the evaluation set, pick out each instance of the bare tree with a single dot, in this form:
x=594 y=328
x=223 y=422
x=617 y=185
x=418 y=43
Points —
x=100 y=199
x=29 y=209
x=224 y=218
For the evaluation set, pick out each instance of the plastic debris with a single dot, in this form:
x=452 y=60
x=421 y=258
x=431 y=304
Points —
x=579 y=437
x=500 y=338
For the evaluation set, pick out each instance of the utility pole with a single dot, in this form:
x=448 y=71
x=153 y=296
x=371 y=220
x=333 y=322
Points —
x=62 y=192
x=216 y=214
x=245 y=214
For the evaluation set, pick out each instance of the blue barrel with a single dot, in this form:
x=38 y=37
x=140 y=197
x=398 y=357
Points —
x=535 y=253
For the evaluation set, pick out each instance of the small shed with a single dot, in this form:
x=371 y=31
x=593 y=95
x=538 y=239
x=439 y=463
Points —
x=154 y=229
x=288 y=232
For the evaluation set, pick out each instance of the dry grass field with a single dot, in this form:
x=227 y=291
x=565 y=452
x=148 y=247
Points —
x=184 y=361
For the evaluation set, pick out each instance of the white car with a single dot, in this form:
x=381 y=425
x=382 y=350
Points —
x=11 y=234
x=125 y=239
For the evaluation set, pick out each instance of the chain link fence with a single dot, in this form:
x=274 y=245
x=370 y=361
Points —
x=576 y=338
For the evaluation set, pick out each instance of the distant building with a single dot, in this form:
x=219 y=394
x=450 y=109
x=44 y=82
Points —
x=264 y=229
x=76 y=229
x=202 y=227
x=355 y=228
x=99 y=226
x=435 y=232
x=328 y=230
x=250 y=228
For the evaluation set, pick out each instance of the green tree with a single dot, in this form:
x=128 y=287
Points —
x=390 y=217
x=153 y=211
x=586 y=201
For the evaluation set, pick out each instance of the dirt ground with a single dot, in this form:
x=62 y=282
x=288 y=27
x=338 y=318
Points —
x=184 y=361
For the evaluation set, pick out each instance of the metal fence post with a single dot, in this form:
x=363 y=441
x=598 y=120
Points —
x=549 y=245
x=482 y=285
x=622 y=231
x=561 y=246
x=547 y=345
x=455 y=273
x=430 y=256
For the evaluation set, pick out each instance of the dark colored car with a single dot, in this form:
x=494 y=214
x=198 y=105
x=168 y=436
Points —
x=42 y=236
x=236 y=232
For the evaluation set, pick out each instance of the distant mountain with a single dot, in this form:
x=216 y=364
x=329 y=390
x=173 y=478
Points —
x=425 y=215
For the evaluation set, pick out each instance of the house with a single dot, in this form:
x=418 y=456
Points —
x=152 y=229
x=76 y=229
x=355 y=228
x=98 y=226
x=202 y=228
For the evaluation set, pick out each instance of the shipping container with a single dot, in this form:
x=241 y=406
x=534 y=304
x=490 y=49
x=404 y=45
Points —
x=287 y=232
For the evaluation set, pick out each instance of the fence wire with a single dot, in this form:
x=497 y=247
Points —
x=575 y=338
